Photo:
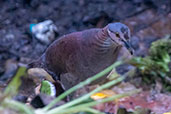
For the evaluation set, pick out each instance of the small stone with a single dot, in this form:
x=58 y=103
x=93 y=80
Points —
x=42 y=100
x=10 y=69
x=44 y=31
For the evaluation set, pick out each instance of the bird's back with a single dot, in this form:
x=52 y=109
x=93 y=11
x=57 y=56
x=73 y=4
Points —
x=64 y=54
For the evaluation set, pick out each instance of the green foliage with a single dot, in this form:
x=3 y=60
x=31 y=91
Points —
x=156 y=65
x=47 y=88
x=12 y=88
x=160 y=47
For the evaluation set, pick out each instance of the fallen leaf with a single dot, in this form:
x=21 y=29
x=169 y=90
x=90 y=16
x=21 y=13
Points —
x=103 y=94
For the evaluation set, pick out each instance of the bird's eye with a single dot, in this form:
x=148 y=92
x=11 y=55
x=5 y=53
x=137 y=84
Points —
x=117 y=34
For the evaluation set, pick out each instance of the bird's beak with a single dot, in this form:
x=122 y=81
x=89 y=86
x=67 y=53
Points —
x=128 y=46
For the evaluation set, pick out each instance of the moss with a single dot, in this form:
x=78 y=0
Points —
x=156 y=66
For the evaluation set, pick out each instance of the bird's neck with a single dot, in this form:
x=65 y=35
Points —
x=103 y=43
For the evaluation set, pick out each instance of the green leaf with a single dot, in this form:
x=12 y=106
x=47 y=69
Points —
x=48 y=88
x=13 y=86
x=166 y=57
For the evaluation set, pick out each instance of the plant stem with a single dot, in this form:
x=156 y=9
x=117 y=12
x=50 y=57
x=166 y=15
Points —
x=76 y=101
x=80 y=107
x=17 y=106
x=81 y=84
x=13 y=86
x=94 y=111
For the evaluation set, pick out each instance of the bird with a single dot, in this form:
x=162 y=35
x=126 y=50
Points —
x=74 y=57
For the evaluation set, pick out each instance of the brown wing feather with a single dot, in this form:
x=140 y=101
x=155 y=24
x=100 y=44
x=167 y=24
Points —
x=63 y=55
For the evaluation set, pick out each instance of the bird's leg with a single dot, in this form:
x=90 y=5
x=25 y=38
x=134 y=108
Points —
x=59 y=87
x=69 y=80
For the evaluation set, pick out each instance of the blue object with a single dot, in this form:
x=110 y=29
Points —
x=31 y=26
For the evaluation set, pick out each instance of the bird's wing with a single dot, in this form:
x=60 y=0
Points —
x=60 y=51
x=65 y=54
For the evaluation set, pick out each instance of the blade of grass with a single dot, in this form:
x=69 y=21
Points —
x=88 y=81
x=17 y=106
x=73 y=111
x=12 y=88
x=81 y=107
x=76 y=101
x=94 y=111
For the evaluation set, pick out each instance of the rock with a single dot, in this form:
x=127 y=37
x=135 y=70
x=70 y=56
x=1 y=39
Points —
x=21 y=98
x=48 y=88
x=38 y=74
x=44 y=31
x=10 y=69
x=42 y=100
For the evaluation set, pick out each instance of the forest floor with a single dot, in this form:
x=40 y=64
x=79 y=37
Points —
x=149 y=20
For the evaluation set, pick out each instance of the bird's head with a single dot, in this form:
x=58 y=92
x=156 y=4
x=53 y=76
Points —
x=120 y=34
